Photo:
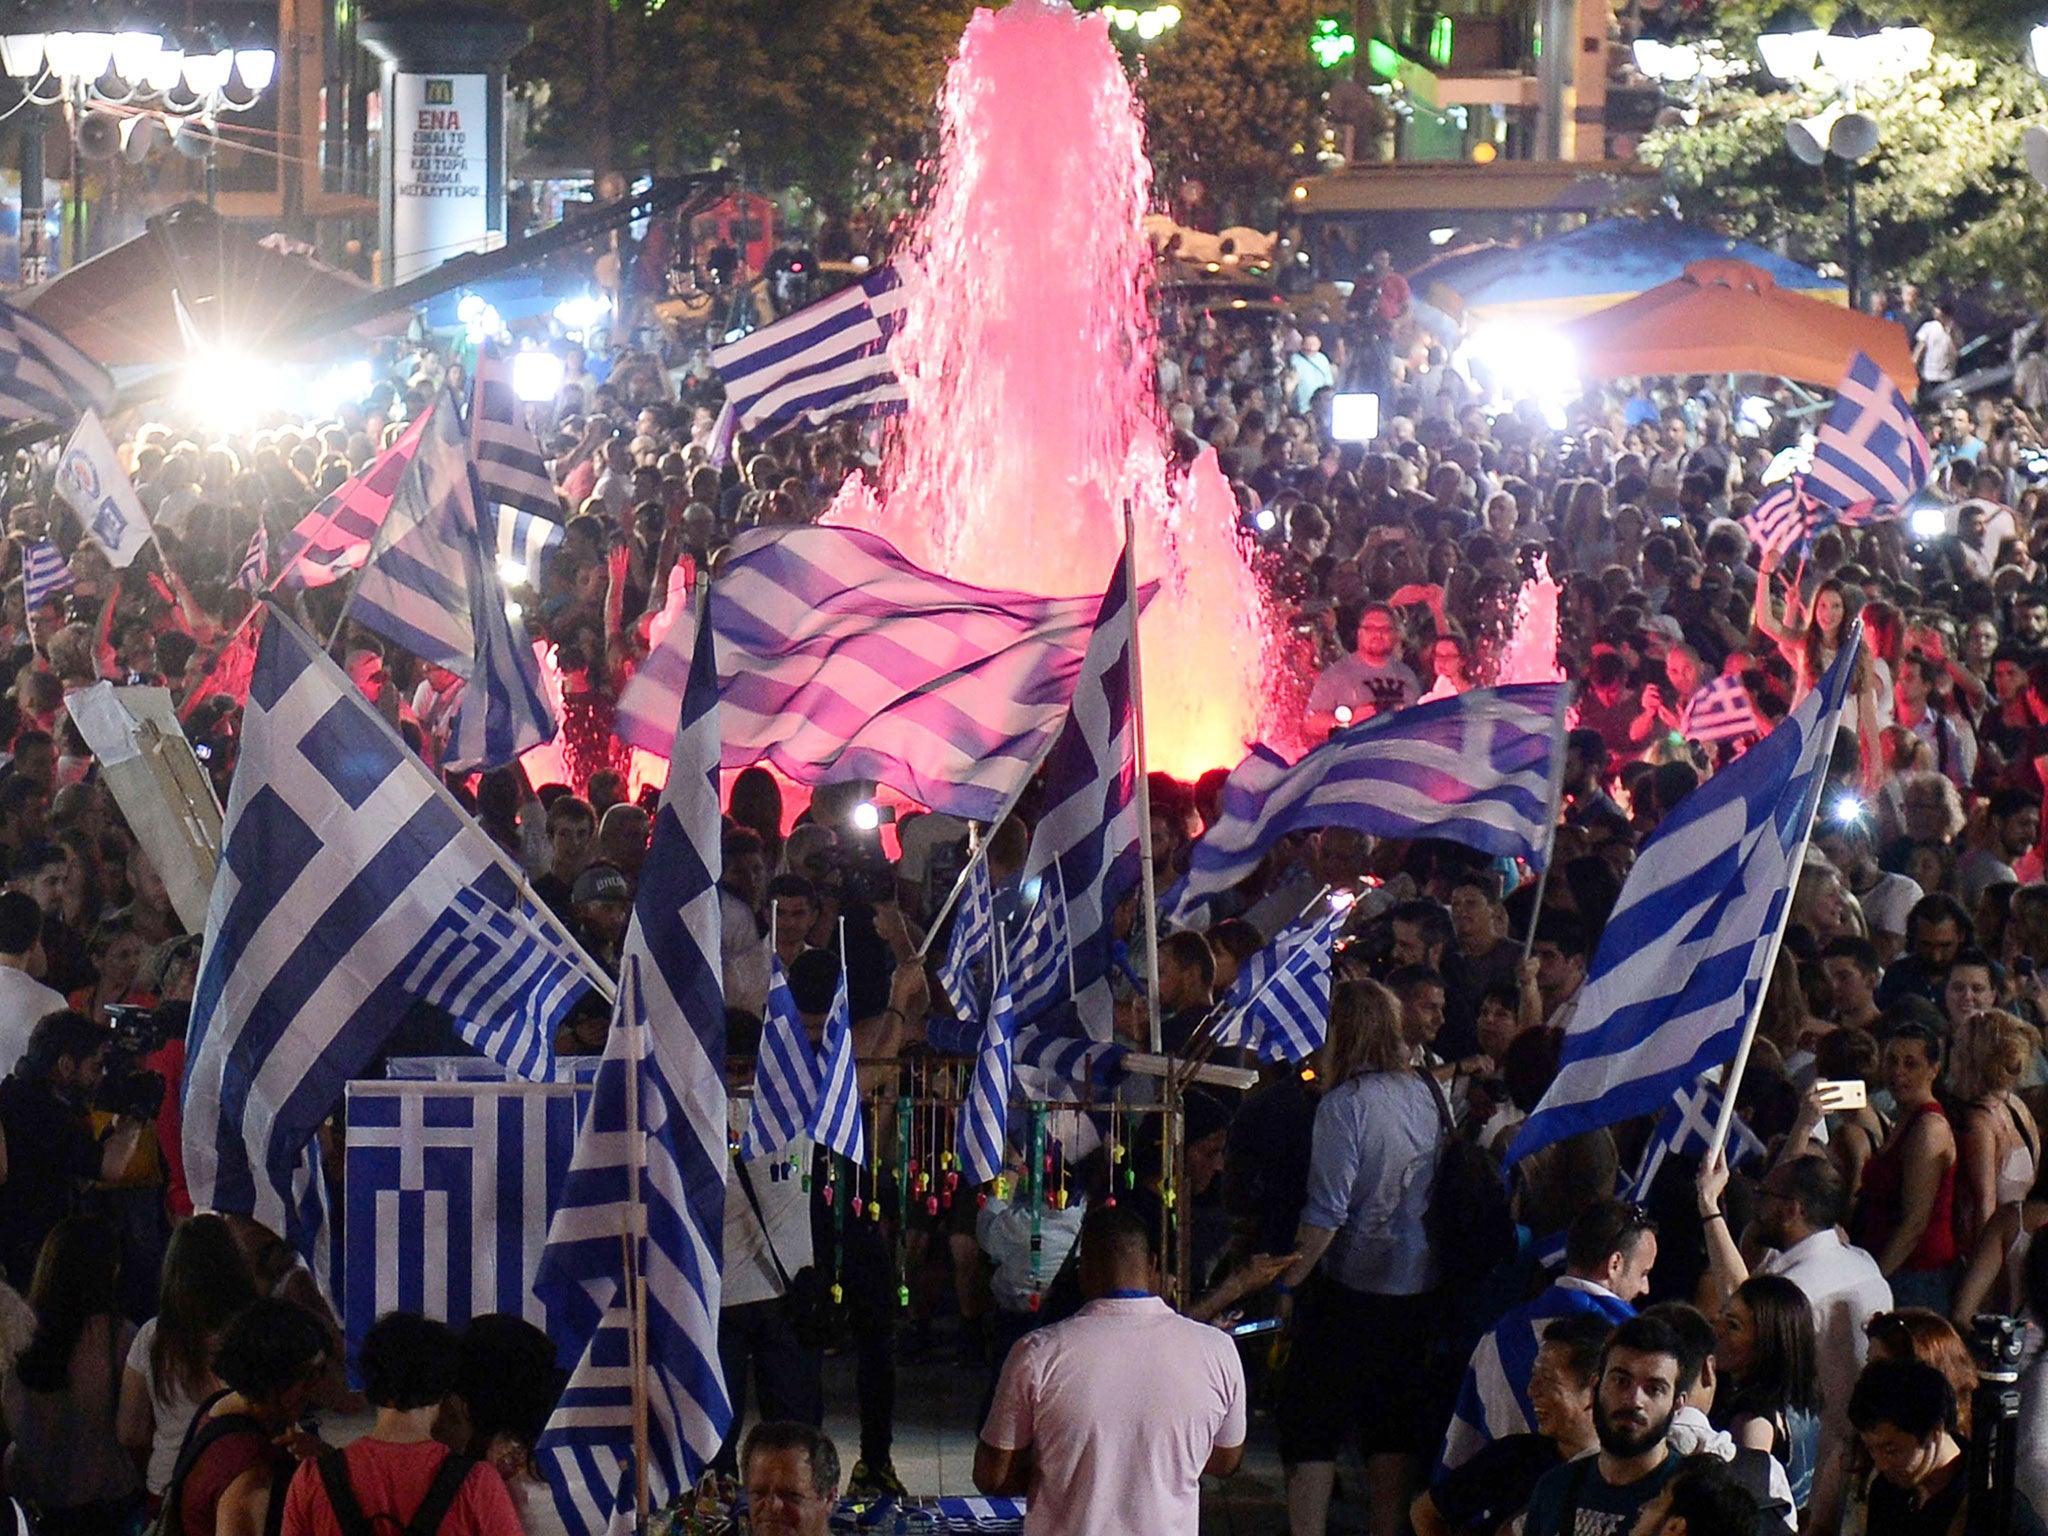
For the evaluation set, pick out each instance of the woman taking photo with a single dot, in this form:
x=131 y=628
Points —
x=1906 y=1217
x=1770 y=1391
x=60 y=1398
x=1365 y=1274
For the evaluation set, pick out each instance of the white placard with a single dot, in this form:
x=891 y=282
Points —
x=440 y=170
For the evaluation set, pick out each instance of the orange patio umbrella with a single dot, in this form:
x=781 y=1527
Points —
x=1726 y=316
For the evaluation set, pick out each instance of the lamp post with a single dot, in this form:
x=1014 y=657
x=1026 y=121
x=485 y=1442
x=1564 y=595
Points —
x=182 y=80
x=1852 y=59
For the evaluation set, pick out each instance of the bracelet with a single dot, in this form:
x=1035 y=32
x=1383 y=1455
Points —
x=1712 y=1216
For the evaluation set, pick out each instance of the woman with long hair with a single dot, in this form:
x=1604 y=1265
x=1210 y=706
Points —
x=1366 y=1324
x=1811 y=633
x=60 y=1398
x=1770 y=1393
x=1998 y=1145
x=205 y=1282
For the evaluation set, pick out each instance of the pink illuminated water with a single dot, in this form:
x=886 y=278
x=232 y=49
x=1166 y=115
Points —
x=1027 y=356
x=1530 y=653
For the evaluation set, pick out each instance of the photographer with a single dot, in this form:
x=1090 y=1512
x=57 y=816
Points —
x=52 y=1151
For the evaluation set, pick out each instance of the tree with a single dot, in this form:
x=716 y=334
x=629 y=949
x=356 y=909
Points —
x=1946 y=198
x=1231 y=96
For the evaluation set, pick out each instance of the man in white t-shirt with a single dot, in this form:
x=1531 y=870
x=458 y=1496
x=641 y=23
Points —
x=1934 y=348
x=23 y=998
x=1108 y=1421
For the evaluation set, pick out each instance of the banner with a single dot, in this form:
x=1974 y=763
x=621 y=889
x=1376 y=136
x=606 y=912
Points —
x=92 y=481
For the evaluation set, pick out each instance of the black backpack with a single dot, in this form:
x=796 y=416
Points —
x=1470 y=1227
x=201 y=1433
x=426 y=1520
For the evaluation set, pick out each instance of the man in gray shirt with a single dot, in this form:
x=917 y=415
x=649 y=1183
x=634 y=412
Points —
x=1373 y=680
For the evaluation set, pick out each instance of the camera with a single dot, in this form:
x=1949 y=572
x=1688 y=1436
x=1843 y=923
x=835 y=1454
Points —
x=1997 y=1343
x=126 y=1088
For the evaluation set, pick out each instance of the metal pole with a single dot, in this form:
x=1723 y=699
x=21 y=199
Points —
x=1564 y=698
x=1150 y=893
x=1853 y=256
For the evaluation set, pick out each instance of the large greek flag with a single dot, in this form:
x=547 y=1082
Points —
x=43 y=377
x=1084 y=850
x=351 y=887
x=1683 y=960
x=508 y=458
x=1474 y=769
x=828 y=359
x=653 y=1143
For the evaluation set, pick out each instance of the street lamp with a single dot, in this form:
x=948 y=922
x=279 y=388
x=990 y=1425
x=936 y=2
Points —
x=154 y=71
x=1789 y=45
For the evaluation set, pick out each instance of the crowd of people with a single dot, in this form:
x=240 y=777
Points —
x=1782 y=1344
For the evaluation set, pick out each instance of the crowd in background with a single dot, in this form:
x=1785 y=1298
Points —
x=1745 y=1300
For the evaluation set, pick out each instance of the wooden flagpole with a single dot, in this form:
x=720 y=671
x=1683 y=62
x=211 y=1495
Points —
x=1151 y=895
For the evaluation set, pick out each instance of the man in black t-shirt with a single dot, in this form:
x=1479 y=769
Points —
x=1643 y=1379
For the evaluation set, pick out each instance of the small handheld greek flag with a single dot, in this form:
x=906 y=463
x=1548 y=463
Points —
x=838 y=1120
x=787 y=1075
x=44 y=573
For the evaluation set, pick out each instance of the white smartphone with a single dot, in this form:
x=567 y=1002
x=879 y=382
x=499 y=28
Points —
x=1843 y=1093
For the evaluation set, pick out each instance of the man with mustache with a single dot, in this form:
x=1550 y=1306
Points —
x=1642 y=1381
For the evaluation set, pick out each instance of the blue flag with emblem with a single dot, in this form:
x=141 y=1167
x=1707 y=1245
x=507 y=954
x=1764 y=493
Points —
x=649 y=1175
x=1683 y=961
x=352 y=886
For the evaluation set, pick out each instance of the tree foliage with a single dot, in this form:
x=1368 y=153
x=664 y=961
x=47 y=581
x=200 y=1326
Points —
x=1945 y=200
x=1231 y=98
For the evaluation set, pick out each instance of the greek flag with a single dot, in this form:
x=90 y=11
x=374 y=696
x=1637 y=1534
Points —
x=1681 y=965
x=1493 y=1400
x=828 y=359
x=787 y=1077
x=1280 y=1002
x=1720 y=711
x=44 y=573
x=449 y=1185
x=351 y=887
x=972 y=944
x=1687 y=1128
x=837 y=1123
x=839 y=659
x=335 y=537
x=1474 y=769
x=984 y=1118
x=254 y=575
x=43 y=377
x=524 y=544
x=1779 y=522
x=432 y=585
x=664 y=1064
x=1068 y=1061
x=509 y=463
x=1084 y=851
x=1870 y=456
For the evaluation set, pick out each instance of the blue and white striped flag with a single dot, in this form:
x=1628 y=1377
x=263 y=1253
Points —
x=1681 y=964
x=985 y=1117
x=1084 y=850
x=43 y=377
x=432 y=585
x=449 y=1185
x=788 y=1079
x=1870 y=456
x=1780 y=521
x=44 y=573
x=1720 y=711
x=665 y=1060
x=839 y=659
x=972 y=946
x=524 y=544
x=1687 y=1128
x=828 y=359
x=1280 y=1002
x=1473 y=769
x=254 y=575
x=509 y=463
x=837 y=1123
x=351 y=886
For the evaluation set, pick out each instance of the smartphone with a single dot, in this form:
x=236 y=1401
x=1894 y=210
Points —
x=1843 y=1093
x=1255 y=1325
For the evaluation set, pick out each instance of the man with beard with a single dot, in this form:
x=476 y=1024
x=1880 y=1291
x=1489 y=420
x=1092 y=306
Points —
x=1642 y=1380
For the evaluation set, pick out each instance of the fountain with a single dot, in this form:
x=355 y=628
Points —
x=1026 y=353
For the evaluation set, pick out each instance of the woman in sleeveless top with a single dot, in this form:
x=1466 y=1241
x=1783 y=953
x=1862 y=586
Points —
x=1907 y=1220
x=1997 y=1142
x=1767 y=1349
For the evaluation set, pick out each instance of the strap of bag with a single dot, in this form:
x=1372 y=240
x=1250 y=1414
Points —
x=200 y=1434
x=341 y=1494
x=441 y=1494
x=1443 y=1106
x=767 y=1237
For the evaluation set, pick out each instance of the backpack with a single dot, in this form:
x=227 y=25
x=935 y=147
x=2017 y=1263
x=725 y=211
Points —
x=201 y=1433
x=426 y=1520
x=1469 y=1225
